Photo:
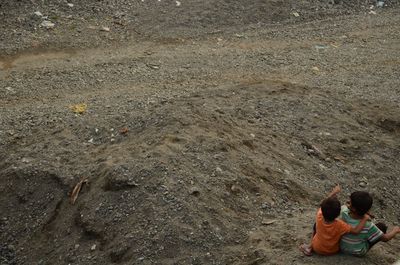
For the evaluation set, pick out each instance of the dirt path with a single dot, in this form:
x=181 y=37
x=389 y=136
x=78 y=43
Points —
x=191 y=143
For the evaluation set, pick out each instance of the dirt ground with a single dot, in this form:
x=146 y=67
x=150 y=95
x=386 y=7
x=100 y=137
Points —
x=209 y=133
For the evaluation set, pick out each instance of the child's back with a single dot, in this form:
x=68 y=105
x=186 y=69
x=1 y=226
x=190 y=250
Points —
x=328 y=232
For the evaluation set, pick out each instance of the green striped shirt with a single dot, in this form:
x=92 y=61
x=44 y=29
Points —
x=358 y=244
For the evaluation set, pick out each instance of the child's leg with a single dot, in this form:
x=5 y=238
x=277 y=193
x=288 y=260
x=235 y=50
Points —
x=307 y=248
x=383 y=227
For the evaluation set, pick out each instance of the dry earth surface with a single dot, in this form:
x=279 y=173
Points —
x=212 y=129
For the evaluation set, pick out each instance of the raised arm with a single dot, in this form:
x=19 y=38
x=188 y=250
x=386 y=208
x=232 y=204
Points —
x=356 y=230
x=335 y=191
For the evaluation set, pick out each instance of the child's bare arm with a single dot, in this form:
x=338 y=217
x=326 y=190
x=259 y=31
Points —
x=388 y=236
x=334 y=191
x=356 y=230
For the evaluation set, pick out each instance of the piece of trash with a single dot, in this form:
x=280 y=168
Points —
x=239 y=35
x=372 y=12
x=70 y=5
x=123 y=131
x=296 y=14
x=93 y=248
x=178 y=3
x=268 y=222
x=10 y=89
x=37 y=13
x=380 y=4
x=321 y=47
x=153 y=66
x=315 y=69
x=75 y=192
x=252 y=135
x=91 y=141
x=79 y=108
x=106 y=29
x=47 y=24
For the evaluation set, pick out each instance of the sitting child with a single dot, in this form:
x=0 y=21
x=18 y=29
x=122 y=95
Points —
x=327 y=229
x=358 y=245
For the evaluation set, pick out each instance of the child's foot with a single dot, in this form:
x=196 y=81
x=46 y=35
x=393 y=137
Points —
x=307 y=251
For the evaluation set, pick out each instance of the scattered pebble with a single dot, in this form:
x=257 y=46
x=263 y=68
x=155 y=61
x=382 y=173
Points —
x=268 y=222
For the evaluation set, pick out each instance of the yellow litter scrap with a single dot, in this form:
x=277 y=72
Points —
x=79 y=108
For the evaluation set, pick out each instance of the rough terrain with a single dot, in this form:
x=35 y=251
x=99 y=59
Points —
x=212 y=129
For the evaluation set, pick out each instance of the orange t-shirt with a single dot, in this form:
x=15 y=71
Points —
x=327 y=237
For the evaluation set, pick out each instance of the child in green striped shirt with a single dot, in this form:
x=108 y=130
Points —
x=359 y=244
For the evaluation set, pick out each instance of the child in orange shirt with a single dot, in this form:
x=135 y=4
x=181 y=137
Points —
x=327 y=229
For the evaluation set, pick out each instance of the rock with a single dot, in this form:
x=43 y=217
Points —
x=235 y=189
x=195 y=191
x=362 y=184
x=47 y=24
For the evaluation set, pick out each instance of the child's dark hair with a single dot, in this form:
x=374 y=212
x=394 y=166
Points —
x=361 y=202
x=330 y=208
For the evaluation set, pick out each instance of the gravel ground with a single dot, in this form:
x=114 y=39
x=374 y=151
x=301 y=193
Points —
x=209 y=131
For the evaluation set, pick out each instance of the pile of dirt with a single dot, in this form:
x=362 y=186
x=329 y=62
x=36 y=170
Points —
x=209 y=139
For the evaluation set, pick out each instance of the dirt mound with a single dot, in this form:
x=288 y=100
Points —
x=207 y=134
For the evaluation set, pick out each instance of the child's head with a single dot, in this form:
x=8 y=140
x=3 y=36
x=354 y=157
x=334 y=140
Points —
x=330 y=208
x=361 y=202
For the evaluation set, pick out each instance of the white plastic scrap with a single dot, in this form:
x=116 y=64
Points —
x=47 y=24
x=178 y=3
x=70 y=5
x=37 y=13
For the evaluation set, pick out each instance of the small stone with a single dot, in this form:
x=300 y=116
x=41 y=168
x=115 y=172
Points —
x=362 y=184
x=37 y=13
x=296 y=14
x=218 y=169
x=195 y=191
x=93 y=248
x=70 y=5
x=76 y=246
x=178 y=3
x=268 y=221
x=235 y=189
x=106 y=29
